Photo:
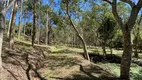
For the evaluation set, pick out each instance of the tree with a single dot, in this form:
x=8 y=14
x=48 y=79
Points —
x=11 y=33
x=20 y=20
x=106 y=32
x=2 y=25
x=137 y=38
x=126 y=30
x=34 y=22
x=86 y=55
x=38 y=20
x=47 y=29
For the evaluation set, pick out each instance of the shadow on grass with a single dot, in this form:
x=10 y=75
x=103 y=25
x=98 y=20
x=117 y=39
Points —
x=112 y=58
x=77 y=77
x=90 y=73
x=58 y=61
x=65 y=51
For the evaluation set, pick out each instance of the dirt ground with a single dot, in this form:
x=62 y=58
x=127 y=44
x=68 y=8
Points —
x=40 y=64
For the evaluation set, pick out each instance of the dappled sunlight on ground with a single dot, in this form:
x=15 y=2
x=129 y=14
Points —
x=64 y=63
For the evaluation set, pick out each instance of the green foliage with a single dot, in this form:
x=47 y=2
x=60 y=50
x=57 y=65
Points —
x=107 y=29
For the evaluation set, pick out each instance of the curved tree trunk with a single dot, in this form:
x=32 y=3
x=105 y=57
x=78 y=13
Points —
x=86 y=55
x=126 y=57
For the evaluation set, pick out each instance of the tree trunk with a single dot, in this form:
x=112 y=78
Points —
x=9 y=25
x=136 y=47
x=2 y=25
x=104 y=49
x=86 y=55
x=20 y=20
x=34 y=24
x=11 y=33
x=47 y=30
x=136 y=52
x=126 y=57
x=38 y=23
x=110 y=46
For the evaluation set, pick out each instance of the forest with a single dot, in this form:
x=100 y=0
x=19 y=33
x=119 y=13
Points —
x=70 y=40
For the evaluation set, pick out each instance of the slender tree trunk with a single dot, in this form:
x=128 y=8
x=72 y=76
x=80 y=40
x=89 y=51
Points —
x=47 y=30
x=11 y=34
x=20 y=22
x=136 y=47
x=110 y=46
x=9 y=25
x=110 y=50
x=137 y=37
x=104 y=49
x=34 y=23
x=38 y=31
x=136 y=52
x=38 y=35
x=86 y=55
x=126 y=57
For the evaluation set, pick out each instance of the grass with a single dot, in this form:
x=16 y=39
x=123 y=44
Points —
x=135 y=71
x=64 y=63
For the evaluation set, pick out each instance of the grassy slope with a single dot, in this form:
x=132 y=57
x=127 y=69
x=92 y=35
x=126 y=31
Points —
x=65 y=63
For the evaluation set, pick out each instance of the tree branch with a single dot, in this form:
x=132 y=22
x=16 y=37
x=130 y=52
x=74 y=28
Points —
x=133 y=16
x=129 y=2
x=139 y=4
x=67 y=11
x=115 y=13
x=108 y=2
x=8 y=7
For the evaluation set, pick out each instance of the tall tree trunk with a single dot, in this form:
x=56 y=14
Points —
x=2 y=25
x=47 y=30
x=11 y=33
x=126 y=57
x=34 y=23
x=126 y=29
x=137 y=38
x=38 y=30
x=20 y=22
